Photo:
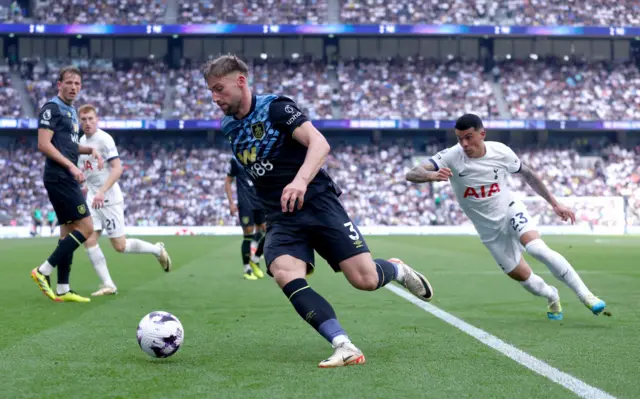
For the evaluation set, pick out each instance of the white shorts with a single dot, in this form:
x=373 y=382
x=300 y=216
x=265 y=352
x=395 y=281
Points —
x=506 y=248
x=109 y=218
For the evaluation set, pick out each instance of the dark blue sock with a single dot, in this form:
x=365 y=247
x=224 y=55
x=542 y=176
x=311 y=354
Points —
x=65 y=247
x=245 y=248
x=313 y=308
x=387 y=272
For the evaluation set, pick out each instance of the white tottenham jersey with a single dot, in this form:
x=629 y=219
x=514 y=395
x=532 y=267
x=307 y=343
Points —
x=480 y=184
x=105 y=145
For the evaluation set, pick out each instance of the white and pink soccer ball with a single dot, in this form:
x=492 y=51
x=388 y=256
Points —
x=160 y=334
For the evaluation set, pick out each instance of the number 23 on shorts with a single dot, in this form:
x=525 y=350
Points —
x=518 y=219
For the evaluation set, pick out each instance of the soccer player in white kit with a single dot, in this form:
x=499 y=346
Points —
x=477 y=170
x=107 y=202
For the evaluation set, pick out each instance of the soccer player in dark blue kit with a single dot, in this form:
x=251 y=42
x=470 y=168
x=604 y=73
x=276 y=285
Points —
x=251 y=216
x=58 y=136
x=284 y=153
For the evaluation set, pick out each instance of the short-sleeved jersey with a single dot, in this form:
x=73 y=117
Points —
x=105 y=145
x=263 y=143
x=245 y=188
x=51 y=216
x=480 y=184
x=37 y=214
x=62 y=119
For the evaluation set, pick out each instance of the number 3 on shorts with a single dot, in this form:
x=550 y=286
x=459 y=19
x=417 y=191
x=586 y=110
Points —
x=352 y=229
x=521 y=219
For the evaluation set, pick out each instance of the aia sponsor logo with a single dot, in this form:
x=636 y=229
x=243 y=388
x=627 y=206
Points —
x=482 y=191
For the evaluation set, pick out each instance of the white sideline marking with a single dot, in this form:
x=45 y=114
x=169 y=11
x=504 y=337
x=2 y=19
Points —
x=568 y=381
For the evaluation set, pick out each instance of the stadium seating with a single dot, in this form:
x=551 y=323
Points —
x=165 y=184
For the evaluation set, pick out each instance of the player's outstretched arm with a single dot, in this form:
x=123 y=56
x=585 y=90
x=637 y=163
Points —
x=426 y=173
x=82 y=149
x=530 y=177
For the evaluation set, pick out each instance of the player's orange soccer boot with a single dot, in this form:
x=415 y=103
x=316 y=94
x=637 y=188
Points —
x=344 y=354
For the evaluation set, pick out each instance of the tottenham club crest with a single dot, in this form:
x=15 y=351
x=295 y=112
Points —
x=257 y=129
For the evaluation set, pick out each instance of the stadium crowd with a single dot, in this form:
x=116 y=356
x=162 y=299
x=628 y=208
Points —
x=306 y=83
x=170 y=184
x=468 y=12
x=133 y=90
x=359 y=89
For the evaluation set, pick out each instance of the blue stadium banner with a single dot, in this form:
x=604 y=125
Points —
x=344 y=124
x=385 y=29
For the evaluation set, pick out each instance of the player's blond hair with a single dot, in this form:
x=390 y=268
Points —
x=85 y=109
x=224 y=65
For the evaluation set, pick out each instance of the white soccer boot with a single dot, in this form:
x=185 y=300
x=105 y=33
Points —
x=344 y=354
x=106 y=290
x=163 y=258
x=415 y=282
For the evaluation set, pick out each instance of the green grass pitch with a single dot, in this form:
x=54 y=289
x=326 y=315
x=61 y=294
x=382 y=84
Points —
x=243 y=339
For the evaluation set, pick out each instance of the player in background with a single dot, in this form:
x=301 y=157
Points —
x=58 y=131
x=37 y=222
x=107 y=203
x=251 y=215
x=51 y=221
x=477 y=170
x=283 y=153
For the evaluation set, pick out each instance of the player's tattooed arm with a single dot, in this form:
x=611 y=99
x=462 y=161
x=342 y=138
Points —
x=530 y=177
x=538 y=186
x=426 y=173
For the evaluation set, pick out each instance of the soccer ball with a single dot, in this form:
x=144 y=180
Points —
x=160 y=334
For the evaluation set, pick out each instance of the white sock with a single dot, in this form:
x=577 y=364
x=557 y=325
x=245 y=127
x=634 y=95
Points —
x=248 y=269
x=340 y=339
x=135 y=246
x=62 y=289
x=399 y=273
x=537 y=286
x=559 y=267
x=255 y=259
x=46 y=268
x=99 y=263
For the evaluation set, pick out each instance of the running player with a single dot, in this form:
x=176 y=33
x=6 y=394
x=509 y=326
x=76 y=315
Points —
x=283 y=153
x=107 y=203
x=477 y=170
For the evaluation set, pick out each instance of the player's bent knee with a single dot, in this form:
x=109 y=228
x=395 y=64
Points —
x=119 y=244
x=286 y=268
x=360 y=271
x=521 y=272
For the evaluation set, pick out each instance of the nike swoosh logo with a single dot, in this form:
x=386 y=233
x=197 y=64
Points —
x=344 y=359
x=463 y=175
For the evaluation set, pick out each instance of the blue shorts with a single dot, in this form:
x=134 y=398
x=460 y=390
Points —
x=321 y=225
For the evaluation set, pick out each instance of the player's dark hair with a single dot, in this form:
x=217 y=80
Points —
x=70 y=69
x=224 y=65
x=468 y=121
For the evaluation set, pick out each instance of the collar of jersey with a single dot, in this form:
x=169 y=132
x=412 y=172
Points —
x=253 y=107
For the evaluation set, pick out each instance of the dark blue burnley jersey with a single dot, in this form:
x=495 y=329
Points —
x=263 y=143
x=62 y=120
x=63 y=190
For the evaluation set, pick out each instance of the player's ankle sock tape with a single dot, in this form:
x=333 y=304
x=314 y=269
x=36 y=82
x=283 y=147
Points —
x=387 y=272
x=313 y=308
x=66 y=247
x=246 y=248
